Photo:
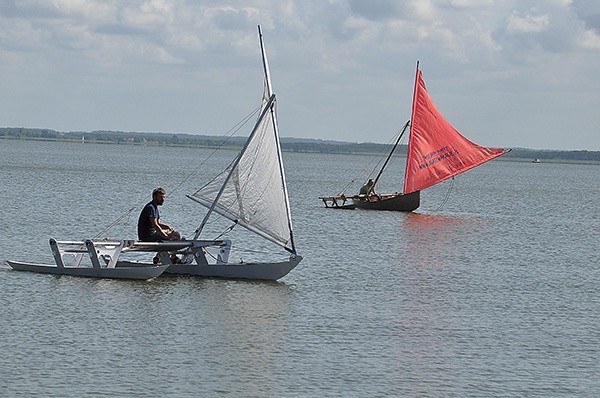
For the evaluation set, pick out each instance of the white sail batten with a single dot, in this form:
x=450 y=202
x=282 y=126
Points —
x=250 y=227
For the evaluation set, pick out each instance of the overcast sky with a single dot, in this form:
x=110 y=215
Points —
x=506 y=73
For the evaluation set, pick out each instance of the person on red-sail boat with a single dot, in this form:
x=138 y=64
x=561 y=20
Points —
x=368 y=189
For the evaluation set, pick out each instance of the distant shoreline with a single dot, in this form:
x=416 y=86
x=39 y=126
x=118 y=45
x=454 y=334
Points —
x=300 y=145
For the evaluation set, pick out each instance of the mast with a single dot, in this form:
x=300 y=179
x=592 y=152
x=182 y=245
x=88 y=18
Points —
x=399 y=137
x=226 y=194
x=414 y=101
x=269 y=92
x=283 y=181
x=263 y=52
x=391 y=153
x=412 y=118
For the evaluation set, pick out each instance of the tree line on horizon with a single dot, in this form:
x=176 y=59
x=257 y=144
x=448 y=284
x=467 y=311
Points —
x=288 y=144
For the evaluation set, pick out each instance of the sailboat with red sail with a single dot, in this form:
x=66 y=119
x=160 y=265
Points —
x=436 y=152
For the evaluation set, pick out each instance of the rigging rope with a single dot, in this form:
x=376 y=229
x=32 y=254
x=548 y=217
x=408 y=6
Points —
x=229 y=134
x=381 y=159
x=111 y=225
x=227 y=230
x=234 y=130
x=447 y=195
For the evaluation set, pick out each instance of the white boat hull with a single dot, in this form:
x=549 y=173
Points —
x=105 y=260
x=129 y=271
x=258 y=271
x=255 y=271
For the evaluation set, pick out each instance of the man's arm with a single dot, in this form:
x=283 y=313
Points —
x=159 y=227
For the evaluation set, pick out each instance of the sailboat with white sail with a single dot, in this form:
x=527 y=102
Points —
x=251 y=192
x=436 y=152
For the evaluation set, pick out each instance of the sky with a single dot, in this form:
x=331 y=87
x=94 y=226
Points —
x=505 y=73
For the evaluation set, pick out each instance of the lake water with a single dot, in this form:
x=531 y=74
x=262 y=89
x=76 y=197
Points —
x=496 y=293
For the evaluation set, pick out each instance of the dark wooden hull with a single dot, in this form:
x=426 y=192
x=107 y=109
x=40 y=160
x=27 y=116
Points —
x=392 y=202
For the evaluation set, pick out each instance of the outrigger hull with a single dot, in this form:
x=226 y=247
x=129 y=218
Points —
x=130 y=271
x=391 y=202
x=255 y=271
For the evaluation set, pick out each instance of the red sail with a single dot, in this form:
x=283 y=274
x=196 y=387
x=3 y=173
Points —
x=436 y=151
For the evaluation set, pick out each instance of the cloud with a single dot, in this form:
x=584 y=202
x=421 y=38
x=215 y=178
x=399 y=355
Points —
x=345 y=67
x=377 y=10
x=551 y=27
x=588 y=11
x=527 y=24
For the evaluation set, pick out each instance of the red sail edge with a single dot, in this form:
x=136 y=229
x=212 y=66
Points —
x=436 y=150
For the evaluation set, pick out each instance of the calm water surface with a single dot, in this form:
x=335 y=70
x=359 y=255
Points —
x=494 y=294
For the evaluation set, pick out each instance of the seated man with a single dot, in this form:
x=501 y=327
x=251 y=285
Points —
x=150 y=229
x=368 y=189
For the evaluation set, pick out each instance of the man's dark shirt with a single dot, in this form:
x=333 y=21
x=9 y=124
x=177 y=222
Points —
x=146 y=232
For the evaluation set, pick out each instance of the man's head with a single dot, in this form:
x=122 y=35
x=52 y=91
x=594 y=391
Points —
x=158 y=196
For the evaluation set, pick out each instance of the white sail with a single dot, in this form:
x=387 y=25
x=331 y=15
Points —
x=252 y=190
